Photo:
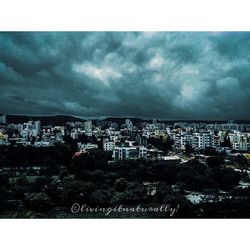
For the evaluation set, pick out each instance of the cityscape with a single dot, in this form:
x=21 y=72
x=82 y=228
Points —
x=91 y=156
x=124 y=125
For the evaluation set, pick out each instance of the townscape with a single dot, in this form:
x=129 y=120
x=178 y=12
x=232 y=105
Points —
x=202 y=166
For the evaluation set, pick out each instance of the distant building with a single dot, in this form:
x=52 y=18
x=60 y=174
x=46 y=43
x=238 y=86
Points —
x=128 y=153
x=30 y=128
x=154 y=121
x=241 y=146
x=160 y=134
x=3 y=119
x=141 y=140
x=38 y=127
x=248 y=127
x=88 y=126
x=42 y=144
x=86 y=146
x=102 y=124
x=172 y=159
x=202 y=140
x=3 y=139
x=108 y=145
x=129 y=124
x=114 y=125
x=142 y=152
x=240 y=141
x=78 y=125
x=114 y=135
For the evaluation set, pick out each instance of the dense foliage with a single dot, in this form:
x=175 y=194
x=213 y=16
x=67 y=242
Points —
x=45 y=182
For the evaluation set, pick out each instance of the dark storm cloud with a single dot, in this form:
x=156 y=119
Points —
x=95 y=74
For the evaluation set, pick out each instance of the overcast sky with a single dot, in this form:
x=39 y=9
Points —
x=149 y=75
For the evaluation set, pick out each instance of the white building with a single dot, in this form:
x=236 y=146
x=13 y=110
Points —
x=41 y=143
x=86 y=146
x=186 y=139
x=142 y=152
x=129 y=124
x=128 y=153
x=37 y=127
x=3 y=119
x=202 y=140
x=240 y=141
x=30 y=129
x=88 y=126
x=108 y=145
x=241 y=146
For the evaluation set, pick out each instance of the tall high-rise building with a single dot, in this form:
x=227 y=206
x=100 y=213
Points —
x=129 y=124
x=38 y=127
x=3 y=119
x=88 y=126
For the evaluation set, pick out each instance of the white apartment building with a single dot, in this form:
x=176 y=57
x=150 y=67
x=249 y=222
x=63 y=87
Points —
x=113 y=135
x=177 y=140
x=3 y=119
x=185 y=139
x=88 y=126
x=30 y=129
x=127 y=153
x=202 y=140
x=241 y=146
x=240 y=141
x=142 y=152
x=108 y=145
x=129 y=124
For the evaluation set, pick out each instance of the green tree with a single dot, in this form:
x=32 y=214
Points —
x=76 y=191
x=213 y=162
x=188 y=149
x=121 y=184
x=100 y=198
x=4 y=162
x=98 y=176
x=40 y=202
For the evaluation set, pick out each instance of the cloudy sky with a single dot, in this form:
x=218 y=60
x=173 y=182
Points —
x=161 y=75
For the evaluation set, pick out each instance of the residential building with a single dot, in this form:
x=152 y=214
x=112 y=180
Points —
x=108 y=145
x=88 y=126
x=127 y=153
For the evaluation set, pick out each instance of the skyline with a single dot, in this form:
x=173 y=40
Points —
x=162 y=75
x=23 y=116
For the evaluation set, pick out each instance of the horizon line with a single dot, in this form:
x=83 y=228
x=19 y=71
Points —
x=128 y=117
